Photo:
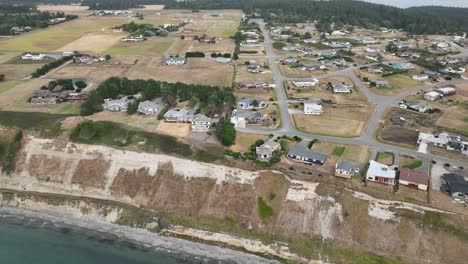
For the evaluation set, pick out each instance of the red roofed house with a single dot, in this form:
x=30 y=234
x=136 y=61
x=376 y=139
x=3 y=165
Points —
x=414 y=178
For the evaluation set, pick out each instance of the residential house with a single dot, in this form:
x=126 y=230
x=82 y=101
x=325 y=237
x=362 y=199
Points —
x=250 y=103
x=116 y=105
x=76 y=97
x=403 y=45
x=414 y=178
x=83 y=59
x=45 y=97
x=207 y=39
x=266 y=151
x=301 y=153
x=147 y=108
x=398 y=120
x=134 y=38
x=419 y=106
x=446 y=91
x=175 y=61
x=430 y=73
x=311 y=40
x=371 y=49
x=178 y=116
x=250 y=44
x=374 y=56
x=347 y=169
x=242 y=119
x=380 y=173
x=341 y=88
x=254 y=68
x=57 y=20
x=201 y=123
x=420 y=77
x=313 y=106
x=32 y=56
x=337 y=44
x=338 y=33
x=290 y=59
x=401 y=66
x=313 y=82
x=375 y=69
x=444 y=140
x=455 y=185
x=288 y=48
x=432 y=96
x=381 y=83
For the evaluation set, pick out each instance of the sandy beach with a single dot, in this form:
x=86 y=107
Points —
x=133 y=235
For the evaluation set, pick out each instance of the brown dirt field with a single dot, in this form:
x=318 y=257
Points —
x=93 y=43
x=48 y=169
x=179 y=130
x=153 y=7
x=20 y=93
x=143 y=122
x=180 y=47
x=71 y=122
x=63 y=8
x=91 y=173
x=196 y=71
x=221 y=46
x=329 y=124
x=400 y=136
x=453 y=117
x=19 y=71
x=273 y=188
x=96 y=73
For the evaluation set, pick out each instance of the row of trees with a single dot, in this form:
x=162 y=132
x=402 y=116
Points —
x=210 y=97
x=13 y=17
x=49 y=66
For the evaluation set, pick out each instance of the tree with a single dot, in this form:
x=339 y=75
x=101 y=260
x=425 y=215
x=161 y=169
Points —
x=80 y=84
x=2 y=77
x=307 y=35
x=182 y=37
x=225 y=132
x=108 y=57
x=133 y=107
x=235 y=56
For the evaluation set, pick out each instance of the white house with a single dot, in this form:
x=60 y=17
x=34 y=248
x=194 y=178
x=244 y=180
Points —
x=117 y=105
x=446 y=91
x=341 y=88
x=267 y=150
x=380 y=173
x=250 y=103
x=175 y=61
x=201 y=123
x=32 y=56
x=313 y=82
x=147 y=108
x=420 y=77
x=313 y=106
x=432 y=96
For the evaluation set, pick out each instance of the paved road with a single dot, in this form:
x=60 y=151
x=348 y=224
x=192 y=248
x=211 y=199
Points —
x=381 y=105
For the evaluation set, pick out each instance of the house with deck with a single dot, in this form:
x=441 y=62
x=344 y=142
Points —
x=147 y=108
x=266 y=151
x=347 y=169
x=301 y=153
x=380 y=173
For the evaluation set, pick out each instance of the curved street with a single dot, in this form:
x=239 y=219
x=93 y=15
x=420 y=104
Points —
x=381 y=105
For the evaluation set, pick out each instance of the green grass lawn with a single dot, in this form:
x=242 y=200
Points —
x=414 y=165
x=338 y=151
x=264 y=210
x=401 y=81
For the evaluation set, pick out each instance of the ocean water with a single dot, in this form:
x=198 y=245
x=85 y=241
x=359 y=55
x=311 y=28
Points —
x=39 y=243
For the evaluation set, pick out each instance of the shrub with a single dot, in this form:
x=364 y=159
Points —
x=81 y=84
x=264 y=210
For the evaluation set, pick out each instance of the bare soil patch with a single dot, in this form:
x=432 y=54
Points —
x=48 y=169
x=91 y=173
x=92 y=43
x=179 y=130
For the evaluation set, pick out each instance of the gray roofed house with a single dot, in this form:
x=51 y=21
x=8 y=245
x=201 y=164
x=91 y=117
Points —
x=419 y=106
x=178 y=115
x=381 y=83
x=347 y=169
x=313 y=106
x=250 y=103
x=267 y=150
x=117 y=105
x=455 y=185
x=147 y=108
x=301 y=153
x=341 y=88
x=241 y=119
x=201 y=123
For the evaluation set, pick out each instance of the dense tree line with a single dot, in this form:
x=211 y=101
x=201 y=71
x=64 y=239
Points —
x=424 y=20
x=210 y=97
x=120 y=4
x=49 y=66
x=25 y=17
x=225 y=132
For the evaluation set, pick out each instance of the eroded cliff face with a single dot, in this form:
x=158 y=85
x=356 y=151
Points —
x=194 y=189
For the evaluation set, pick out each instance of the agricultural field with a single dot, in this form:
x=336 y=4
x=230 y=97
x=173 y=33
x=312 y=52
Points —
x=156 y=46
x=197 y=70
x=95 y=73
x=14 y=94
x=56 y=37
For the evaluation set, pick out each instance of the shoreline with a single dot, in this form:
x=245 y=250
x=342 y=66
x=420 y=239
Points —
x=130 y=236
